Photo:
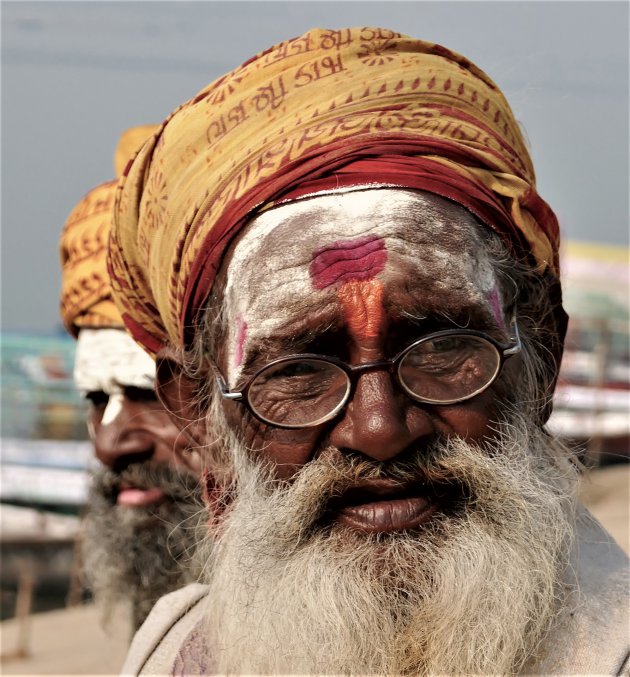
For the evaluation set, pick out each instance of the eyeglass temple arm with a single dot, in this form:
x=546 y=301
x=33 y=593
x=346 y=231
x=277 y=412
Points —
x=225 y=392
x=518 y=346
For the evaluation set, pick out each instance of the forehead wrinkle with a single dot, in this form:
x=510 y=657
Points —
x=470 y=313
x=362 y=305
x=359 y=258
x=296 y=256
x=280 y=311
x=274 y=283
x=306 y=216
x=267 y=276
x=290 y=337
x=266 y=239
x=399 y=242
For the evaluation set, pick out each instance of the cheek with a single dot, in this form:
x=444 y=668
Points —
x=286 y=450
x=473 y=420
x=163 y=427
x=477 y=418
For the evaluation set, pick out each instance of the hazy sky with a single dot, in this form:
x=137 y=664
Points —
x=76 y=74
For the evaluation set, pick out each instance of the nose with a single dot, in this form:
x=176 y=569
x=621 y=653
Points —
x=380 y=422
x=120 y=435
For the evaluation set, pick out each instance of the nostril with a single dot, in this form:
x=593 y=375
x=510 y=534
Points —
x=117 y=448
x=378 y=423
x=123 y=462
x=382 y=433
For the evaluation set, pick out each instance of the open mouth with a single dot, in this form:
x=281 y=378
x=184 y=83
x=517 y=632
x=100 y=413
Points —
x=135 y=497
x=382 y=506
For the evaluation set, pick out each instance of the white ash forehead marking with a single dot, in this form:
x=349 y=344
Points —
x=107 y=359
x=269 y=271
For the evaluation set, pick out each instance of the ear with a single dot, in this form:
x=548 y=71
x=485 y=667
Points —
x=178 y=394
x=558 y=324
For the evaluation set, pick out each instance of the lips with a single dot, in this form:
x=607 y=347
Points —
x=381 y=506
x=135 y=497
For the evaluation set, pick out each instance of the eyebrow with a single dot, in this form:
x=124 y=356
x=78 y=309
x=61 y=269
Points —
x=286 y=340
x=292 y=336
x=123 y=386
x=464 y=316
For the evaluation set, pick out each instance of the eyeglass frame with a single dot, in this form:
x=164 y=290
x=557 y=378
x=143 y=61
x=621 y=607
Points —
x=354 y=371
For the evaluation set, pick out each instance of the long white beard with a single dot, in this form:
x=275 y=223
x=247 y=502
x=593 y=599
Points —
x=471 y=592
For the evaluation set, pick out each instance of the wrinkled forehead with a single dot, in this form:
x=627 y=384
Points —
x=297 y=257
x=109 y=359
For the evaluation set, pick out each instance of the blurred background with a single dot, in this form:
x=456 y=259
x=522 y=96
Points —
x=75 y=75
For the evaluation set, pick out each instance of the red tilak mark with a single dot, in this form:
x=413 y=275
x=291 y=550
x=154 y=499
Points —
x=495 y=304
x=241 y=335
x=362 y=306
x=360 y=259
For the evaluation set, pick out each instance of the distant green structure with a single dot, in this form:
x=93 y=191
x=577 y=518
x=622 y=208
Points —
x=39 y=400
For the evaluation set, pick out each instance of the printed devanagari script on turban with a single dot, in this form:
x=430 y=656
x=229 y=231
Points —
x=362 y=106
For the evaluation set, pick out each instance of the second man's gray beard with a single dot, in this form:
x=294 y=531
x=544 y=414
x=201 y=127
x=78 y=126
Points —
x=132 y=556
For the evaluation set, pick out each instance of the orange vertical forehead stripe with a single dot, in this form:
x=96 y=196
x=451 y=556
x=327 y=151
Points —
x=362 y=306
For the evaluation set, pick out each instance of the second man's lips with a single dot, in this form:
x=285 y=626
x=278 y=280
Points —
x=380 y=506
x=131 y=496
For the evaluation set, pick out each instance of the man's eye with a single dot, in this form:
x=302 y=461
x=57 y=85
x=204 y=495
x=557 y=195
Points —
x=294 y=369
x=97 y=398
x=136 y=394
x=446 y=344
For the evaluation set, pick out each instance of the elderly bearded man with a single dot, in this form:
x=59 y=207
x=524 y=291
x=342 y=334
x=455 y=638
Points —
x=139 y=528
x=339 y=256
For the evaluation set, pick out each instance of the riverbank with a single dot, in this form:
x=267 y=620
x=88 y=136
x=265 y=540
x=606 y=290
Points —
x=71 y=641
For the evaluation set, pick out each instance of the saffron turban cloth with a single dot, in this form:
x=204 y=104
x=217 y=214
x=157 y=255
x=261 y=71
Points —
x=329 y=109
x=129 y=143
x=86 y=299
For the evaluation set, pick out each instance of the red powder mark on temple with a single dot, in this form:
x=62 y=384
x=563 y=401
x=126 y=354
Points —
x=241 y=335
x=495 y=304
x=362 y=258
x=362 y=306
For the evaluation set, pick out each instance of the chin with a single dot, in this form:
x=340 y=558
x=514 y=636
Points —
x=451 y=563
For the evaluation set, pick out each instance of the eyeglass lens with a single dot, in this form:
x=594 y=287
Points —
x=298 y=392
x=448 y=368
x=307 y=391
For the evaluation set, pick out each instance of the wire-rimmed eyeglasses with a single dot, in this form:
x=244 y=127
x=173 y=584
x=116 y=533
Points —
x=306 y=390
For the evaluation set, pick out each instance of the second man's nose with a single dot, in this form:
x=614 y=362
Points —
x=118 y=434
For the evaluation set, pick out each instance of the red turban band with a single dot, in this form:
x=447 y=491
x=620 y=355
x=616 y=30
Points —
x=328 y=109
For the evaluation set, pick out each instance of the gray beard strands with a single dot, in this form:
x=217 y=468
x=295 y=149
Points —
x=471 y=592
x=136 y=555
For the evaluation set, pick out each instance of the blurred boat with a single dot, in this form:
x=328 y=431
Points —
x=43 y=490
x=592 y=400
x=48 y=474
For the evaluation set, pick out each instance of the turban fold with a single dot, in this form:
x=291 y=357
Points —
x=351 y=107
x=129 y=143
x=86 y=299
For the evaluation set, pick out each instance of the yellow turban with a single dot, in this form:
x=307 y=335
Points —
x=86 y=299
x=332 y=107
x=85 y=288
x=129 y=143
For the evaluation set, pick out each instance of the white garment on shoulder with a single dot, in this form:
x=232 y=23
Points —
x=591 y=636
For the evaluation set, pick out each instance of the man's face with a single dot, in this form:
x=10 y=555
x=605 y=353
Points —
x=396 y=537
x=126 y=421
x=144 y=499
x=360 y=277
